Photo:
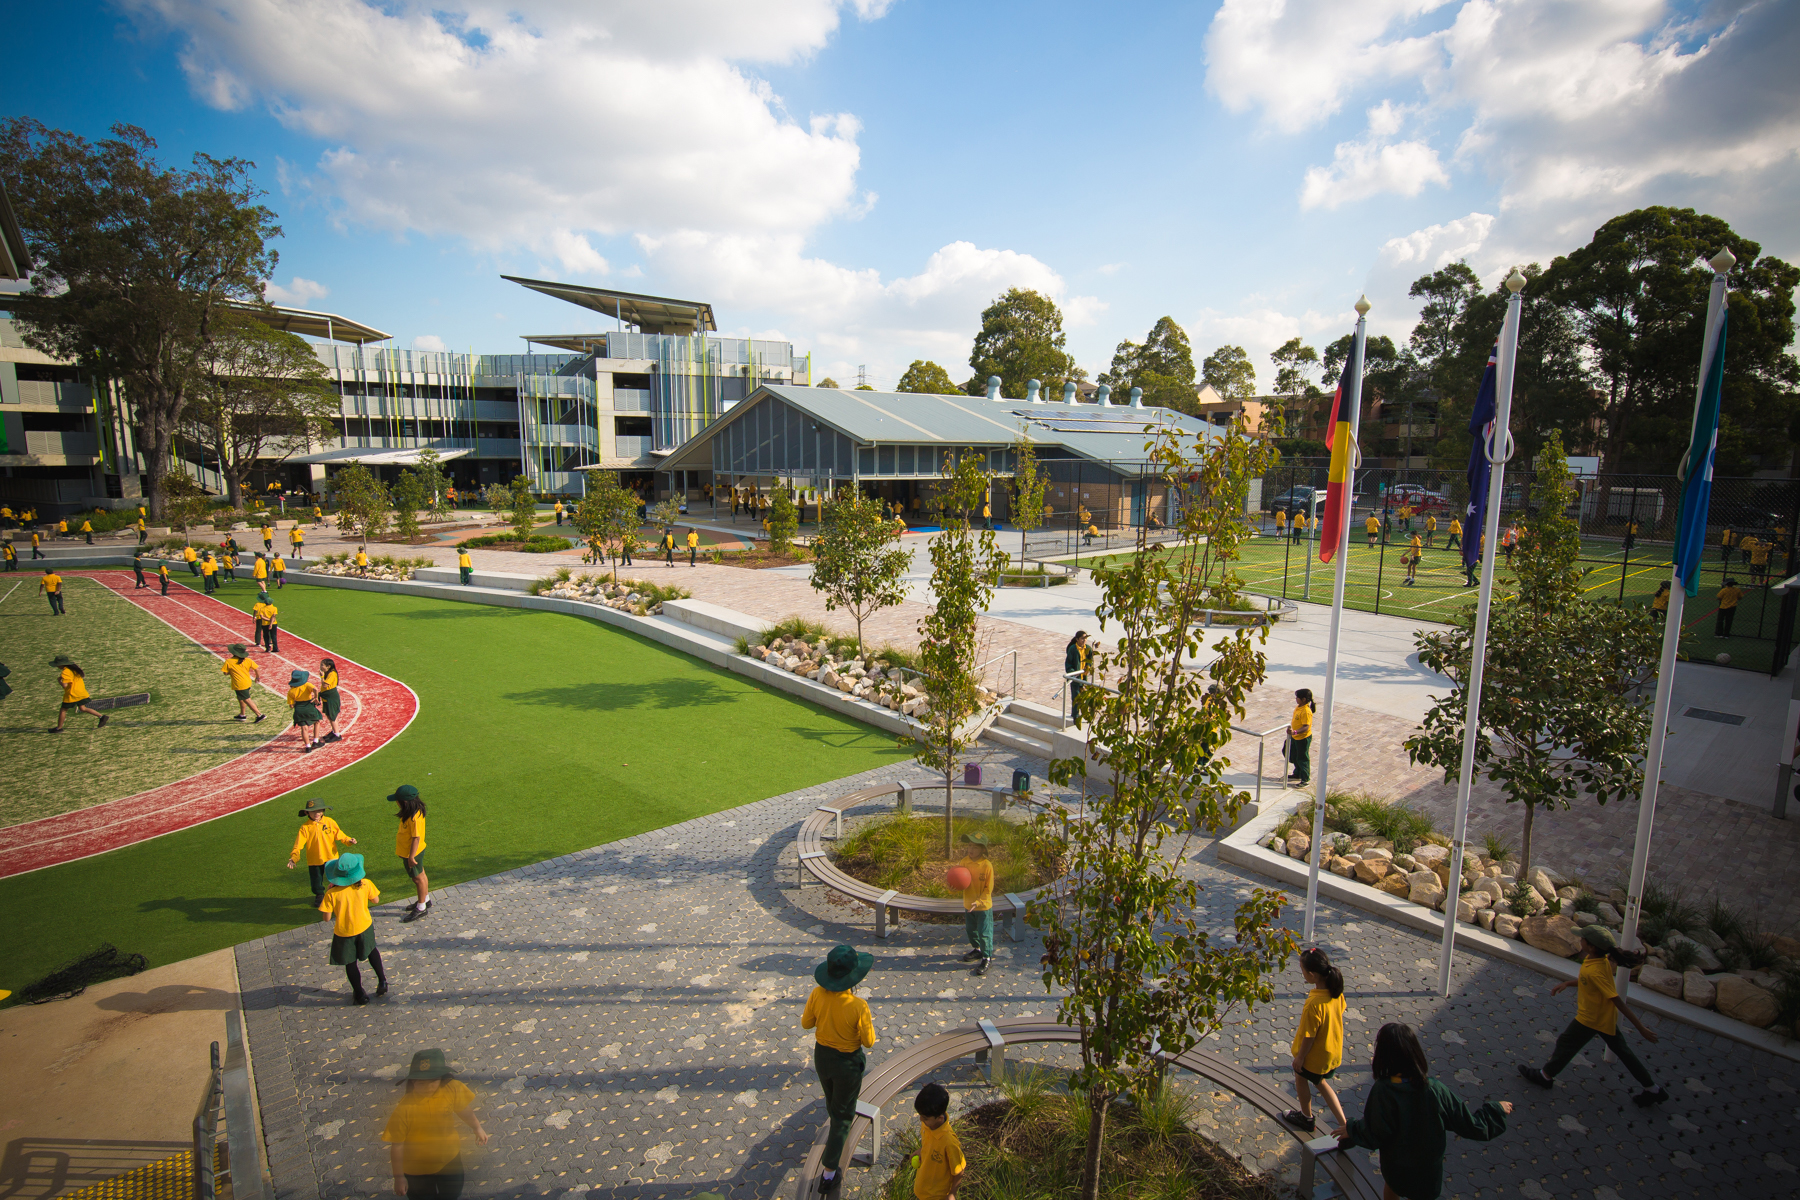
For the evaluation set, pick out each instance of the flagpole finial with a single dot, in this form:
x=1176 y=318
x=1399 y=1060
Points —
x=1723 y=261
x=1363 y=306
x=1515 y=283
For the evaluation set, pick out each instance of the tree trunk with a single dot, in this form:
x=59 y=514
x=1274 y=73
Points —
x=1090 y=1168
x=1525 y=850
x=949 y=794
x=156 y=463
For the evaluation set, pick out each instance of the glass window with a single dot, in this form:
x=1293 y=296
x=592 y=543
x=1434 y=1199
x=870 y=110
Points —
x=865 y=460
x=906 y=460
x=886 y=460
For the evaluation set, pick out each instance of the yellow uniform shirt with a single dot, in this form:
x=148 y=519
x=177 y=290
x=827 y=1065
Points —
x=979 y=895
x=1760 y=554
x=1301 y=725
x=188 y=555
x=295 y=536
x=841 y=1018
x=330 y=682
x=1660 y=603
x=362 y=560
x=349 y=907
x=268 y=534
x=1299 y=520
x=403 y=836
x=462 y=559
x=74 y=686
x=1456 y=528
x=305 y=693
x=1729 y=597
x=1322 y=1020
x=53 y=583
x=1372 y=526
x=425 y=1127
x=940 y=1160
x=693 y=540
x=260 y=570
x=239 y=669
x=87 y=527
x=1417 y=544
x=140 y=524
x=62 y=527
x=1727 y=538
x=163 y=570
x=1280 y=518
x=271 y=615
x=207 y=566
x=1431 y=524
x=1594 y=992
x=256 y=610
x=278 y=566
x=319 y=839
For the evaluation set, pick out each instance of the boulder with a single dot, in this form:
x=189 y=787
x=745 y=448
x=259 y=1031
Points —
x=1278 y=845
x=1583 y=918
x=1423 y=887
x=1742 y=1000
x=1430 y=852
x=1298 y=844
x=1491 y=889
x=1610 y=916
x=1555 y=935
x=1697 y=989
x=1787 y=947
x=1465 y=912
x=1394 y=884
x=1507 y=925
x=1557 y=878
x=1406 y=862
x=1541 y=883
x=1477 y=899
x=1379 y=852
x=1707 y=938
x=1658 y=980
x=1766 y=980
x=1485 y=918
x=1341 y=866
x=1370 y=870
x=1568 y=895
x=1708 y=960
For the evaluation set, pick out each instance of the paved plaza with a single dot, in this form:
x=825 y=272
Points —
x=629 y=1016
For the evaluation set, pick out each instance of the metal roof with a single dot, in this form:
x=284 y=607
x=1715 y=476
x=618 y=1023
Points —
x=1093 y=431
x=651 y=314
x=325 y=325
x=575 y=343
x=15 y=259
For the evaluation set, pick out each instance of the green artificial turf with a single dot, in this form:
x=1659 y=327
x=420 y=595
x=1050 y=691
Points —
x=185 y=728
x=538 y=734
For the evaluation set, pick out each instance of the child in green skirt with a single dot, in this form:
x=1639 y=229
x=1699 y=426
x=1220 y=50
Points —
x=346 y=901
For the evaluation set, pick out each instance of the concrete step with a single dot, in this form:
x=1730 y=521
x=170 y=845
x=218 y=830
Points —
x=1014 y=723
x=1018 y=742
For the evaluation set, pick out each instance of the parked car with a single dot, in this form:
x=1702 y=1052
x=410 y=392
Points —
x=1419 y=499
x=1295 y=499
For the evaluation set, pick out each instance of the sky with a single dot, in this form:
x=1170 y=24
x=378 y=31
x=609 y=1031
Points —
x=863 y=177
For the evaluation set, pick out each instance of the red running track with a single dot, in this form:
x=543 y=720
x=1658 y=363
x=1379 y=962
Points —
x=375 y=711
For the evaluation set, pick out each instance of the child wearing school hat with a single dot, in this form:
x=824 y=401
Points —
x=348 y=895
x=845 y=1028
x=1597 y=1009
x=318 y=836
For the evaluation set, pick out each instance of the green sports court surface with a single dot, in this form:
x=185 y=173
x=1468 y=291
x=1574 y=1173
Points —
x=538 y=734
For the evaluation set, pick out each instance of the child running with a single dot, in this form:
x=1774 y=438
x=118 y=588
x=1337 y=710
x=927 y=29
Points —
x=1597 y=1009
x=346 y=901
x=940 y=1159
x=1408 y=1115
x=278 y=568
x=302 y=697
x=409 y=844
x=845 y=1028
x=1319 y=1041
x=424 y=1147
x=318 y=836
x=244 y=675
x=329 y=700
x=75 y=693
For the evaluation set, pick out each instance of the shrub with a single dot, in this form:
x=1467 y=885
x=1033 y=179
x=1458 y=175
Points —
x=1682 y=956
x=538 y=543
x=806 y=631
x=1586 y=901
x=1518 y=902
x=1729 y=923
x=1495 y=847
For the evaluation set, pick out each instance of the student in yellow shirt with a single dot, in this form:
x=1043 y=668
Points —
x=940 y=1159
x=409 y=844
x=318 y=515
x=465 y=567
x=362 y=560
x=162 y=574
x=271 y=625
x=1319 y=1041
x=302 y=698
x=142 y=531
x=297 y=540
x=75 y=694
x=1597 y=1009
x=278 y=569
x=318 y=836
x=256 y=616
x=268 y=534
x=12 y=556
x=52 y=587
x=243 y=675
x=1415 y=553
x=668 y=545
x=1759 y=560
x=1430 y=528
x=348 y=894
x=1455 y=540
x=1727 y=539
x=87 y=528
x=37 y=542
x=1729 y=596
x=62 y=528
x=424 y=1146
x=559 y=512
x=192 y=559
x=1300 y=730
x=1372 y=527
x=1299 y=526
x=208 y=574
x=693 y=544
x=329 y=700
x=845 y=1028
x=259 y=570
x=978 y=902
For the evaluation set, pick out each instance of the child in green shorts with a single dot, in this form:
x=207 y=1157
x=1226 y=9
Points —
x=1319 y=1042
x=940 y=1163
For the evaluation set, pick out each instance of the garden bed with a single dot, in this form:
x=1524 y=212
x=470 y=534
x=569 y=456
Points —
x=907 y=853
x=536 y=544
x=757 y=560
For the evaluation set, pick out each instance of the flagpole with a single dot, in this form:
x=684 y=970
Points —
x=1353 y=402
x=1721 y=264
x=1499 y=450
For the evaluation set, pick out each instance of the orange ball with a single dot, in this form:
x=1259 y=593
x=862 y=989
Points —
x=958 y=878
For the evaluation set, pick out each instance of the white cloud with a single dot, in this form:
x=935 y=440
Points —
x=1373 y=165
x=1437 y=245
x=429 y=341
x=297 y=294
x=1110 y=268
x=1259 y=328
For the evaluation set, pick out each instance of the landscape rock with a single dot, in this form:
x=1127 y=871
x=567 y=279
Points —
x=1491 y=889
x=1610 y=916
x=1370 y=870
x=1507 y=925
x=1278 y=845
x=1381 y=852
x=1478 y=899
x=1698 y=990
x=1766 y=980
x=1568 y=894
x=1742 y=1000
x=1465 y=912
x=1485 y=918
x=1556 y=935
x=1541 y=883
x=1708 y=960
x=1583 y=918
x=1298 y=844
x=1341 y=866
x=1407 y=862
x=1557 y=878
x=1431 y=853
x=1659 y=980
x=1394 y=884
x=1424 y=887
x=1707 y=938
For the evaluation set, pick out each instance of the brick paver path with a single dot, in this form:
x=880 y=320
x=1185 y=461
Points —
x=629 y=1016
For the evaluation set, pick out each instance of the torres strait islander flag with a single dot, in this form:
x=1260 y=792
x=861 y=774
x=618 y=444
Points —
x=1343 y=451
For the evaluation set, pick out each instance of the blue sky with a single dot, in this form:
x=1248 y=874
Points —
x=862 y=177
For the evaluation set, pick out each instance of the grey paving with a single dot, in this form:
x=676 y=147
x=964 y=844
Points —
x=629 y=1016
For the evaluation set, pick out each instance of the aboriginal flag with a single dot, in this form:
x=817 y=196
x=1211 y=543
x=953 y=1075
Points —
x=1343 y=454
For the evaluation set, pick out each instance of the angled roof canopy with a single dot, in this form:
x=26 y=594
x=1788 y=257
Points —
x=575 y=343
x=15 y=260
x=374 y=456
x=651 y=314
x=313 y=324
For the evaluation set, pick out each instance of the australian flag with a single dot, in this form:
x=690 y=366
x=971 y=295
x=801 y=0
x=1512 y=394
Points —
x=1481 y=429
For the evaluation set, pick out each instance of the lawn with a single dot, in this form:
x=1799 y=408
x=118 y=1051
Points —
x=185 y=728
x=538 y=734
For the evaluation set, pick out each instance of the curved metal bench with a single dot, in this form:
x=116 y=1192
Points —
x=989 y=1039
x=813 y=860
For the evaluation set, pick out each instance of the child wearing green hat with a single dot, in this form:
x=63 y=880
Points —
x=348 y=895
x=409 y=844
x=424 y=1146
x=303 y=698
x=318 y=836
x=244 y=675
x=978 y=903
x=845 y=1029
x=1597 y=1009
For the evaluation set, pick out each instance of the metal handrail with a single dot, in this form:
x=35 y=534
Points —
x=1014 y=655
x=206 y=1132
x=1262 y=745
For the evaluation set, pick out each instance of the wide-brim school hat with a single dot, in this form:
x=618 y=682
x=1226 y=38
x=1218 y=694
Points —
x=1598 y=935
x=975 y=839
x=405 y=791
x=842 y=969
x=427 y=1064
x=313 y=806
x=62 y=660
x=297 y=678
x=344 y=869
x=236 y=649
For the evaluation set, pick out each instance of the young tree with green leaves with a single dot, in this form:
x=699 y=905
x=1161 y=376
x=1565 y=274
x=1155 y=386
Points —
x=1022 y=339
x=965 y=568
x=524 y=510
x=1294 y=364
x=784 y=520
x=827 y=382
x=1029 y=484
x=498 y=497
x=1561 y=711
x=433 y=481
x=362 y=501
x=409 y=497
x=1139 y=975
x=858 y=562
x=666 y=514
x=927 y=378
x=185 y=503
x=135 y=265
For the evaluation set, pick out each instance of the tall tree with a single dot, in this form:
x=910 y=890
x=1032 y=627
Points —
x=434 y=481
x=1390 y=377
x=1162 y=365
x=1638 y=293
x=827 y=382
x=1230 y=372
x=1139 y=975
x=136 y=262
x=1022 y=339
x=928 y=378
x=1447 y=294
x=362 y=501
x=409 y=497
x=1562 y=710
x=262 y=399
x=859 y=564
